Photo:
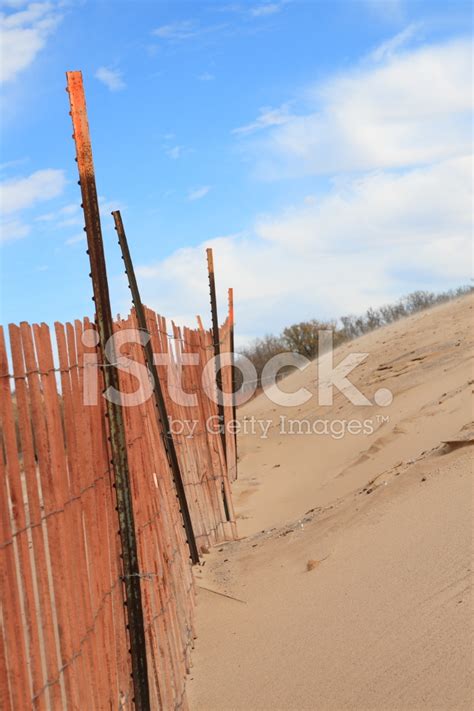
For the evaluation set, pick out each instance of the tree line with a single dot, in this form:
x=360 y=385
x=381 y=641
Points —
x=302 y=337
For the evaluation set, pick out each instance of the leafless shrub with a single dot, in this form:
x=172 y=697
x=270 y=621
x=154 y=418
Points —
x=261 y=350
x=303 y=337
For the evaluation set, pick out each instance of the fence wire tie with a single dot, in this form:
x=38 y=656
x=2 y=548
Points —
x=144 y=576
x=37 y=371
x=119 y=363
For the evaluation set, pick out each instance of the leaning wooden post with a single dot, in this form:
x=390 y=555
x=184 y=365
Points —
x=232 y=356
x=118 y=444
x=162 y=415
x=217 y=345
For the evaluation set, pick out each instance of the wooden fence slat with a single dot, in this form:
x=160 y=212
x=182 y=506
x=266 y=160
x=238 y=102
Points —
x=17 y=681
x=94 y=523
x=111 y=541
x=50 y=504
x=20 y=518
x=64 y=569
x=75 y=446
x=63 y=524
x=44 y=611
x=20 y=545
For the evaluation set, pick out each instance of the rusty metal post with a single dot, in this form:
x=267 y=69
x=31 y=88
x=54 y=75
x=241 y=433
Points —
x=231 y=326
x=131 y=571
x=161 y=413
x=217 y=345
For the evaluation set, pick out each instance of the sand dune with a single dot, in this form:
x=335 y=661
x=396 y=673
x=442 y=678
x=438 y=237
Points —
x=353 y=581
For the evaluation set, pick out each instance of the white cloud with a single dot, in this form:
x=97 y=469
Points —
x=175 y=152
x=177 y=30
x=11 y=230
x=112 y=78
x=70 y=209
x=5 y=167
x=391 y=10
x=21 y=193
x=387 y=49
x=106 y=208
x=76 y=239
x=394 y=137
x=268 y=117
x=206 y=76
x=262 y=9
x=185 y=30
x=68 y=212
x=71 y=221
x=407 y=109
x=394 y=209
x=365 y=242
x=23 y=35
x=198 y=193
x=265 y=9
x=71 y=215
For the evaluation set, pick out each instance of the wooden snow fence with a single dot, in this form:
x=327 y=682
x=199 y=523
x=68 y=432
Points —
x=63 y=622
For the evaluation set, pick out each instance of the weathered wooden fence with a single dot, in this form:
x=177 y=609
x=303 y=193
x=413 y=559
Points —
x=64 y=638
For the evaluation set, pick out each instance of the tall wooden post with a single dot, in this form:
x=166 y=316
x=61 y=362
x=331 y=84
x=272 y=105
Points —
x=217 y=344
x=232 y=350
x=103 y=317
x=157 y=390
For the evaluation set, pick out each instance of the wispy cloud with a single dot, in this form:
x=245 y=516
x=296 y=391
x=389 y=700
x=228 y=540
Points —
x=391 y=10
x=206 y=76
x=21 y=193
x=23 y=35
x=112 y=78
x=382 y=114
x=5 y=167
x=13 y=229
x=67 y=212
x=71 y=216
x=76 y=239
x=171 y=148
x=198 y=193
x=268 y=117
x=106 y=207
x=313 y=257
x=266 y=9
x=181 y=30
x=394 y=135
x=175 y=152
x=184 y=30
x=262 y=9
x=387 y=49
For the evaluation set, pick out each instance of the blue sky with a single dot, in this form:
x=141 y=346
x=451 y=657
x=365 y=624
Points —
x=321 y=148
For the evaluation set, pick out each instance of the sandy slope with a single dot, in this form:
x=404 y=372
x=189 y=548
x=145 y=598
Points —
x=383 y=620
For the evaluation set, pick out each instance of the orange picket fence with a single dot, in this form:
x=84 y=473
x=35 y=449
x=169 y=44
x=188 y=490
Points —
x=64 y=640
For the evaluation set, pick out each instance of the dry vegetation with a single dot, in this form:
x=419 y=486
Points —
x=302 y=337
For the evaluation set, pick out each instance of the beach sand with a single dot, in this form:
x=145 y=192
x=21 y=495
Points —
x=351 y=586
